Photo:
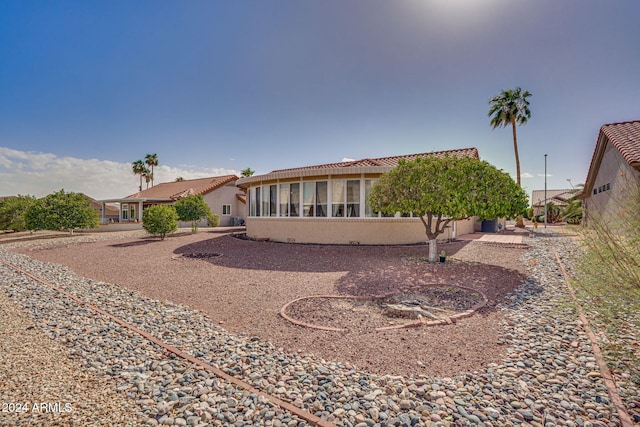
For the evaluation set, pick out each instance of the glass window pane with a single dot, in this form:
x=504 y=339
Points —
x=265 y=200
x=273 y=199
x=258 y=201
x=321 y=198
x=308 y=194
x=367 y=192
x=353 y=198
x=284 y=199
x=337 y=198
x=294 y=206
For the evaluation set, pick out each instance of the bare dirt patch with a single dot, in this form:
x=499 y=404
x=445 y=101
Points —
x=245 y=286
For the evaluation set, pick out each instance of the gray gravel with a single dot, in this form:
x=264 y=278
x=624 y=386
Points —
x=549 y=377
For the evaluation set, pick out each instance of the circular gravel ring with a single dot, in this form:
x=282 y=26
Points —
x=415 y=323
x=200 y=255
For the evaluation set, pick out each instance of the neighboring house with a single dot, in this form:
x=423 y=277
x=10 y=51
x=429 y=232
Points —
x=110 y=211
x=614 y=170
x=558 y=198
x=328 y=204
x=219 y=192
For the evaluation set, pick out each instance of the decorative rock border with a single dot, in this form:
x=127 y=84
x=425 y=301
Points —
x=415 y=323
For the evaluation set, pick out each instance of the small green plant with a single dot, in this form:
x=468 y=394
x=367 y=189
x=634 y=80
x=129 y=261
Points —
x=443 y=253
x=160 y=220
x=213 y=220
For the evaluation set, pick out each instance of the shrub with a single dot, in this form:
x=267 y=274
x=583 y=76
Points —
x=12 y=210
x=192 y=208
x=160 y=220
x=213 y=220
x=607 y=279
x=61 y=211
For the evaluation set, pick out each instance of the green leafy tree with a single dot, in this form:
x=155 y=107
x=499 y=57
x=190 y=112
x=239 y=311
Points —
x=192 y=208
x=511 y=108
x=12 y=210
x=151 y=160
x=160 y=220
x=247 y=172
x=442 y=190
x=61 y=211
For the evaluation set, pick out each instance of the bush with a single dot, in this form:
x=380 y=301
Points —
x=12 y=210
x=192 y=208
x=160 y=220
x=61 y=211
x=213 y=220
x=607 y=279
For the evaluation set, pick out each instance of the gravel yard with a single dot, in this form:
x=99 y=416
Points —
x=243 y=284
x=522 y=360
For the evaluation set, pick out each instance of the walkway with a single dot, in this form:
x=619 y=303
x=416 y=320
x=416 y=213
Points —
x=493 y=238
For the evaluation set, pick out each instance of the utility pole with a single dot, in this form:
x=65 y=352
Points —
x=545 y=191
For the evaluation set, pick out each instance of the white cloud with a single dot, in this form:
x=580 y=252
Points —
x=39 y=174
x=542 y=175
x=526 y=175
x=347 y=159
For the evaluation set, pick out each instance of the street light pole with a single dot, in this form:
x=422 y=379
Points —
x=545 y=191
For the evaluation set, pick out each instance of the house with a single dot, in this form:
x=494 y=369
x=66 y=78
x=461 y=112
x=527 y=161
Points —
x=219 y=192
x=110 y=211
x=558 y=198
x=614 y=172
x=328 y=204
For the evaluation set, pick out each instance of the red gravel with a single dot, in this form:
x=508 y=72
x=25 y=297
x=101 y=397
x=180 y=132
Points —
x=242 y=285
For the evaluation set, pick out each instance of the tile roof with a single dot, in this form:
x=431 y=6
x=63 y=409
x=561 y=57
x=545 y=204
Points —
x=178 y=189
x=390 y=161
x=556 y=196
x=626 y=138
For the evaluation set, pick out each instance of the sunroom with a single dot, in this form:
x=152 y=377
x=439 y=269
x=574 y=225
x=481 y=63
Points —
x=328 y=204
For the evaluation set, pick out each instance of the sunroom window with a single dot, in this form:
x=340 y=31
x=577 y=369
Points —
x=345 y=198
x=315 y=198
x=289 y=199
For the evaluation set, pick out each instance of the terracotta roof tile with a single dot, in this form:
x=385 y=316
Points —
x=626 y=138
x=390 y=161
x=178 y=189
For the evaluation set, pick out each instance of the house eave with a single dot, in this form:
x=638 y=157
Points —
x=304 y=173
x=136 y=200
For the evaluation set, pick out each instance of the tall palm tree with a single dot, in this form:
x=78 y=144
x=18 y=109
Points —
x=510 y=107
x=138 y=169
x=148 y=176
x=151 y=160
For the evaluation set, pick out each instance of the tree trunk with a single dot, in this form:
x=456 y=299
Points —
x=520 y=222
x=433 y=250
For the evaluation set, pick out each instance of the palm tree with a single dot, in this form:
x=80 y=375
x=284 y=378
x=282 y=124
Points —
x=138 y=169
x=148 y=176
x=151 y=160
x=510 y=107
x=247 y=172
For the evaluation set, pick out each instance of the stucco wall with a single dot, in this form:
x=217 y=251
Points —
x=614 y=170
x=225 y=195
x=364 y=231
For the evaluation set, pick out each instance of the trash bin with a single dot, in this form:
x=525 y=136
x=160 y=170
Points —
x=489 y=226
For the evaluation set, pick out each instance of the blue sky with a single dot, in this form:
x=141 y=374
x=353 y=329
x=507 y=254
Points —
x=213 y=87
